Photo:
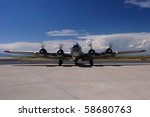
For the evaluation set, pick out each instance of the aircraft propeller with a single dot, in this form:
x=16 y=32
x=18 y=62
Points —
x=110 y=45
x=43 y=45
x=43 y=51
x=61 y=46
x=91 y=51
x=90 y=45
x=109 y=49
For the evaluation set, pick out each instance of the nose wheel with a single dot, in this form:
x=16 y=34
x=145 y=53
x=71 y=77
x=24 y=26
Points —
x=60 y=62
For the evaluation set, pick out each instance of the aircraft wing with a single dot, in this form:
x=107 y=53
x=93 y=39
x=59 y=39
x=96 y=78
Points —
x=130 y=52
x=20 y=52
x=37 y=54
x=105 y=55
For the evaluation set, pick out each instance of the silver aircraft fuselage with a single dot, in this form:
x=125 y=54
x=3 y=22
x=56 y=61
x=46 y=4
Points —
x=76 y=52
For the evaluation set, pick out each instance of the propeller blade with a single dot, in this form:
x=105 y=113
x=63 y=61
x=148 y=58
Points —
x=90 y=44
x=61 y=46
x=42 y=45
x=110 y=45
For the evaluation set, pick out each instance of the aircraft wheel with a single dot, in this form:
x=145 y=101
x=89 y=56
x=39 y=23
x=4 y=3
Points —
x=60 y=62
x=91 y=62
x=76 y=62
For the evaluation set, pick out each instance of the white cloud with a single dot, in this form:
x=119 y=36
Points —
x=19 y=46
x=63 y=32
x=120 y=42
x=140 y=3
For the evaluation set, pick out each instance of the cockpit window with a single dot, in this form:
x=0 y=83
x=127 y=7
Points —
x=76 y=48
x=76 y=44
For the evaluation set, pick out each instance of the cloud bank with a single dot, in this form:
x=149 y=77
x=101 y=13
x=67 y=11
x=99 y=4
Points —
x=139 y=3
x=64 y=32
x=120 y=42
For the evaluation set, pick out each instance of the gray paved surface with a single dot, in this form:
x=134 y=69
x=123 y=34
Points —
x=45 y=81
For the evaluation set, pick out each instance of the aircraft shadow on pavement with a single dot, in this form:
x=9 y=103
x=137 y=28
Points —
x=82 y=65
x=65 y=65
x=71 y=64
x=52 y=65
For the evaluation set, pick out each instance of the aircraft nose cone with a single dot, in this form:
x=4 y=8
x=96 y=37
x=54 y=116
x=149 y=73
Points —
x=76 y=54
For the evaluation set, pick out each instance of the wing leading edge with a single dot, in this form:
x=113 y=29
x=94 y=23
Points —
x=37 y=54
x=101 y=55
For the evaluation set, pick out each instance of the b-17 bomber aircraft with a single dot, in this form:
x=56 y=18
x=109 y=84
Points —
x=76 y=54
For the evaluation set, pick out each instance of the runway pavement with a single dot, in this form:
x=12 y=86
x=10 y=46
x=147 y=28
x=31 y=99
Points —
x=105 y=80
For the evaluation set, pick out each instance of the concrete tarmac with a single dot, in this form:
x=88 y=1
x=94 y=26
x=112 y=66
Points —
x=105 y=80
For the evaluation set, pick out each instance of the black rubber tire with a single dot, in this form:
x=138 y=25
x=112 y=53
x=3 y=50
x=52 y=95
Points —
x=91 y=62
x=60 y=62
x=76 y=62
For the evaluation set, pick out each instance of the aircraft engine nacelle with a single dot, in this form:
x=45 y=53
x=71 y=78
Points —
x=43 y=51
x=109 y=51
x=60 y=53
x=91 y=52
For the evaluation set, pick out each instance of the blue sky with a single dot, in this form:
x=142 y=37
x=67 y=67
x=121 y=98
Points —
x=24 y=24
x=29 y=20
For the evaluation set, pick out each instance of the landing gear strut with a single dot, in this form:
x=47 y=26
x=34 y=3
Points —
x=60 y=62
x=91 y=62
x=76 y=62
